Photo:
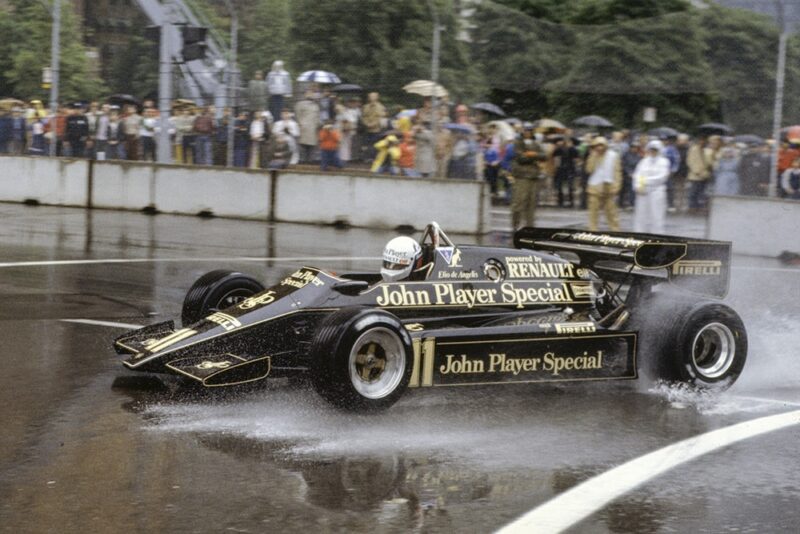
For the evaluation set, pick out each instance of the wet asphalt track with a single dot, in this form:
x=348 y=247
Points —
x=88 y=447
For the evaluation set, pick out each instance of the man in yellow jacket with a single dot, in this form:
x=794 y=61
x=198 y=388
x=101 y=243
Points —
x=604 y=168
x=388 y=155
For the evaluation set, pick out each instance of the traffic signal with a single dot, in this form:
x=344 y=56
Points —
x=194 y=42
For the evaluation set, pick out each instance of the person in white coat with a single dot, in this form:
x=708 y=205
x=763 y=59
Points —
x=650 y=183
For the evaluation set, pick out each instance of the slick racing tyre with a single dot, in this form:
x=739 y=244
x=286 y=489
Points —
x=217 y=290
x=705 y=345
x=361 y=359
x=712 y=345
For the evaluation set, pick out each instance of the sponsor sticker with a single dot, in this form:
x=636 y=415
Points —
x=697 y=268
x=301 y=279
x=228 y=322
x=451 y=255
x=259 y=300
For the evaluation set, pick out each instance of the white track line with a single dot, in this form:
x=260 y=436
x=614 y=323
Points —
x=127 y=326
x=571 y=507
x=174 y=260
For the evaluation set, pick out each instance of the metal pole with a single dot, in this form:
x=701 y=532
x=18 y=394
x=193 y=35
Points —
x=435 y=74
x=165 y=91
x=232 y=81
x=55 y=61
x=777 y=117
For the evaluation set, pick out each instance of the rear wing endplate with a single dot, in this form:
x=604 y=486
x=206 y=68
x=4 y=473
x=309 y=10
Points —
x=702 y=266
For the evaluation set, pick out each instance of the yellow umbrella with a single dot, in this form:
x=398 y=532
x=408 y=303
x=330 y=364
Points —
x=9 y=103
x=548 y=126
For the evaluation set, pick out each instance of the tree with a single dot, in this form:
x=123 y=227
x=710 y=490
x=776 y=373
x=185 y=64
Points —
x=134 y=68
x=29 y=52
x=382 y=45
x=264 y=35
x=742 y=48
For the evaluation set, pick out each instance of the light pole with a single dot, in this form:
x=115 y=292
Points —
x=232 y=79
x=437 y=28
x=165 y=90
x=777 y=117
x=55 y=61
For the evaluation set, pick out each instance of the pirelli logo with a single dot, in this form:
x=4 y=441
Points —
x=156 y=345
x=575 y=328
x=697 y=268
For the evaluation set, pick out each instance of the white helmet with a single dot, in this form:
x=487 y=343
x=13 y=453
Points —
x=399 y=257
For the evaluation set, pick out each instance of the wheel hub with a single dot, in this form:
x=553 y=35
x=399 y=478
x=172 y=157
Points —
x=713 y=350
x=377 y=363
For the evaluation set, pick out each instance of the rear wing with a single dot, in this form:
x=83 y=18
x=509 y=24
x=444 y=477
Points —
x=702 y=266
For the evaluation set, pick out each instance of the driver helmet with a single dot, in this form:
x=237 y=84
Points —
x=399 y=257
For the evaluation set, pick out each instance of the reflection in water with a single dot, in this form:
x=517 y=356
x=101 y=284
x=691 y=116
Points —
x=423 y=463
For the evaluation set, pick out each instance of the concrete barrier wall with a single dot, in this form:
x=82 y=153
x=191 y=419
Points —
x=60 y=182
x=361 y=200
x=182 y=189
x=757 y=226
x=382 y=201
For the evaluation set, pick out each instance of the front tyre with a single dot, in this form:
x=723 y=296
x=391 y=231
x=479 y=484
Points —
x=361 y=359
x=712 y=345
x=217 y=290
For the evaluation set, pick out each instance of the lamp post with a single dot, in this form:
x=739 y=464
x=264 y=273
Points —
x=232 y=79
x=437 y=28
x=55 y=61
x=777 y=117
x=164 y=154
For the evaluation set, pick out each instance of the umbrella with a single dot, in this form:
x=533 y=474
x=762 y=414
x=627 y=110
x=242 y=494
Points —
x=459 y=128
x=406 y=113
x=9 y=103
x=425 y=88
x=749 y=139
x=182 y=103
x=513 y=121
x=318 y=76
x=593 y=120
x=663 y=132
x=548 y=126
x=505 y=130
x=347 y=88
x=122 y=100
x=488 y=107
x=716 y=128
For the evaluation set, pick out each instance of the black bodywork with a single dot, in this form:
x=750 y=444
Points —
x=562 y=305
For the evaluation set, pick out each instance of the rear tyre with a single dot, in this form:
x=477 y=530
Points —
x=361 y=359
x=217 y=290
x=712 y=345
x=706 y=346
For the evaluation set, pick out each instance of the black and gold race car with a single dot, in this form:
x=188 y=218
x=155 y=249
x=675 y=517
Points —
x=562 y=305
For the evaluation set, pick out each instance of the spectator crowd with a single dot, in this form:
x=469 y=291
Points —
x=524 y=163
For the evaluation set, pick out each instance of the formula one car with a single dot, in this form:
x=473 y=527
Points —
x=563 y=305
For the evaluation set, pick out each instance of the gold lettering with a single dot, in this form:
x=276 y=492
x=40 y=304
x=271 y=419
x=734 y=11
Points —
x=461 y=365
x=258 y=300
x=697 y=268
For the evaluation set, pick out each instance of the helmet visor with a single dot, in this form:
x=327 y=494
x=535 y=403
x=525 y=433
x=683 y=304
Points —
x=396 y=264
